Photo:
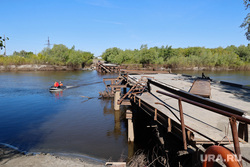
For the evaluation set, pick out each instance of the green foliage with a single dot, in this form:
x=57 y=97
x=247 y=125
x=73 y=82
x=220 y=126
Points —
x=112 y=54
x=77 y=58
x=246 y=22
x=230 y=57
x=23 y=53
x=58 y=55
x=61 y=55
x=2 y=41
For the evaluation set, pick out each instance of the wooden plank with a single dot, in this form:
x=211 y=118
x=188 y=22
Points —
x=201 y=87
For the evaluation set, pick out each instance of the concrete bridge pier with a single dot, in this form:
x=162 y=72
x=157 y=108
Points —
x=129 y=116
x=117 y=97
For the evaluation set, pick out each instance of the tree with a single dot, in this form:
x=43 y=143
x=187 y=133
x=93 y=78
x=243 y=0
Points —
x=246 y=23
x=23 y=53
x=110 y=54
x=2 y=41
x=147 y=56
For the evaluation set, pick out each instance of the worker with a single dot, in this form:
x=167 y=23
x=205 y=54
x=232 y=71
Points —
x=56 y=84
x=60 y=84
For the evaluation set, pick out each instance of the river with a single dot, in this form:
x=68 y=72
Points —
x=239 y=77
x=35 y=120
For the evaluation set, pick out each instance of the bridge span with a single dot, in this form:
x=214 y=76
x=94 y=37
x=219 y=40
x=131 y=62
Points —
x=220 y=117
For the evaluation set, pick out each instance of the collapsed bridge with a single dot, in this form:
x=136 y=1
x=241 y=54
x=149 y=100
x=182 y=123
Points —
x=201 y=112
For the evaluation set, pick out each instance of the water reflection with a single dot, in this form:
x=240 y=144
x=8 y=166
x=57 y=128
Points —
x=131 y=149
x=57 y=94
x=108 y=109
x=116 y=132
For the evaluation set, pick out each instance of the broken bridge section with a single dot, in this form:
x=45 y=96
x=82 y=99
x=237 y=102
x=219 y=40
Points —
x=195 y=119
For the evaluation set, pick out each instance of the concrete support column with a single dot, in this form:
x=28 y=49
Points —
x=117 y=97
x=131 y=137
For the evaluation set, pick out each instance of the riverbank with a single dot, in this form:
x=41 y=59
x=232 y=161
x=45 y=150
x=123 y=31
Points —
x=46 y=67
x=153 y=67
x=10 y=157
x=40 y=67
x=36 y=67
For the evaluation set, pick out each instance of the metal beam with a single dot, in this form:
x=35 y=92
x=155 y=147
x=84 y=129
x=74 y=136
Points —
x=216 y=110
x=196 y=98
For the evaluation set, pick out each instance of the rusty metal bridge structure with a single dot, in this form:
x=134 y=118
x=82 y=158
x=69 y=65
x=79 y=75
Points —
x=196 y=120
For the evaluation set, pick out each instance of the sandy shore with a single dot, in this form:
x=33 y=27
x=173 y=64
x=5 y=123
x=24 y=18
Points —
x=10 y=157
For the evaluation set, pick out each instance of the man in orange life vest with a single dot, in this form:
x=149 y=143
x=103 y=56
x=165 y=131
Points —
x=56 y=84
x=60 y=84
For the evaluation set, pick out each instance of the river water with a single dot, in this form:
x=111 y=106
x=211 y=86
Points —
x=35 y=120
x=239 y=77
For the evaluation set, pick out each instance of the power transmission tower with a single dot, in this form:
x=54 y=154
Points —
x=48 y=44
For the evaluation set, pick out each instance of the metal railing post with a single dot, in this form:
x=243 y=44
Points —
x=235 y=138
x=182 y=125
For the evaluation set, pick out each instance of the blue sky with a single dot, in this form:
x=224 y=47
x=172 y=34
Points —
x=96 y=25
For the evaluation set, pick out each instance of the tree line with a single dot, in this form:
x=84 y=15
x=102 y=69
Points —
x=58 y=55
x=230 y=57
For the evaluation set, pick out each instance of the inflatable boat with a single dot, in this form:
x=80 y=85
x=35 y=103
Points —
x=60 y=88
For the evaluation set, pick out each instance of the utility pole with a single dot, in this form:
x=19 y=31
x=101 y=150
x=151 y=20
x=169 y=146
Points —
x=4 y=46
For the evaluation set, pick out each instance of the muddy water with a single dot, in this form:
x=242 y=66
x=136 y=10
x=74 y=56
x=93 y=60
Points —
x=35 y=120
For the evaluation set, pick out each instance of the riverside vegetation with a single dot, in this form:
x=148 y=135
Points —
x=58 y=55
x=231 y=57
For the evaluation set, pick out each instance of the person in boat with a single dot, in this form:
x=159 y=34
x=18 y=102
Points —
x=60 y=84
x=56 y=84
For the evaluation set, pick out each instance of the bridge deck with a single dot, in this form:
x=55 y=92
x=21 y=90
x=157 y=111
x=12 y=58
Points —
x=206 y=122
